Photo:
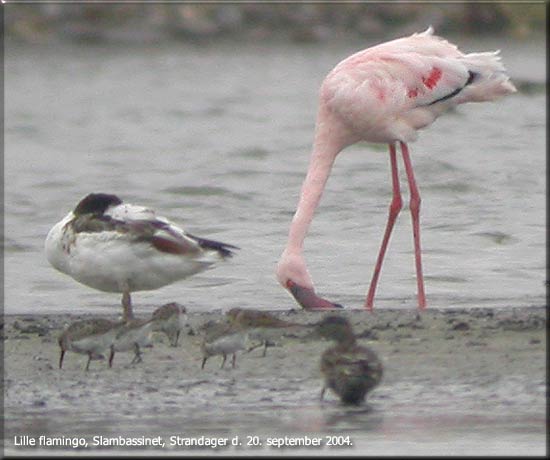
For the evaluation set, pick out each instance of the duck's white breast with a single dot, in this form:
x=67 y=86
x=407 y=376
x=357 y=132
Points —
x=108 y=260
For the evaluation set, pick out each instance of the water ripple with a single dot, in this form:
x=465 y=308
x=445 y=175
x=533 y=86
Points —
x=205 y=190
x=497 y=237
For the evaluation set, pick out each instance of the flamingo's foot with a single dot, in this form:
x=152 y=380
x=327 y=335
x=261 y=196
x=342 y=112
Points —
x=309 y=300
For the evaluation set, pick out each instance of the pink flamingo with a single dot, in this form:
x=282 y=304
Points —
x=384 y=94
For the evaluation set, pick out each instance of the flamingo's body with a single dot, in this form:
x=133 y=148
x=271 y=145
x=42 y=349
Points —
x=385 y=94
x=117 y=247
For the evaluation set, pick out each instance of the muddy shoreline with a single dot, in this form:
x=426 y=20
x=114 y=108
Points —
x=455 y=367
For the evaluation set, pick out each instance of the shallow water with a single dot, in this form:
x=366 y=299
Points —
x=477 y=391
x=217 y=139
x=359 y=432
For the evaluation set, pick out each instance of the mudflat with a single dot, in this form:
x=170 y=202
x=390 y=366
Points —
x=456 y=381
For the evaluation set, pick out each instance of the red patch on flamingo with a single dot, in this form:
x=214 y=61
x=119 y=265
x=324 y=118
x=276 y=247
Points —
x=433 y=78
x=412 y=93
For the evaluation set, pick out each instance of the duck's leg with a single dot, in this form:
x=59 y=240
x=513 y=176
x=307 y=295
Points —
x=322 y=393
x=223 y=362
x=175 y=344
x=137 y=354
x=203 y=362
x=111 y=356
x=61 y=358
x=89 y=359
x=415 y=213
x=127 y=312
x=395 y=207
x=233 y=361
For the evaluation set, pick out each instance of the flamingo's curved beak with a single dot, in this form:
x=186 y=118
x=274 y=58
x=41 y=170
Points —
x=308 y=299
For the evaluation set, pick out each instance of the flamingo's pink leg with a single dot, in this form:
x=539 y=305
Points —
x=395 y=207
x=415 y=213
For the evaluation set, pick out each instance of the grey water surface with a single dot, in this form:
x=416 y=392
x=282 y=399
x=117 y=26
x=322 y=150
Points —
x=217 y=138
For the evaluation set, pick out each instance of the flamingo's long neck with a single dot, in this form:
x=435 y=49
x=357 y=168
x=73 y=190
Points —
x=329 y=141
x=292 y=273
x=310 y=196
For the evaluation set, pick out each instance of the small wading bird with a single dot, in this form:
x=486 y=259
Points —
x=384 y=94
x=261 y=326
x=117 y=247
x=88 y=336
x=349 y=369
x=170 y=318
x=222 y=338
x=133 y=334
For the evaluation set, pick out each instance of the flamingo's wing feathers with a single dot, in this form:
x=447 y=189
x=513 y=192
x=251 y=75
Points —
x=387 y=85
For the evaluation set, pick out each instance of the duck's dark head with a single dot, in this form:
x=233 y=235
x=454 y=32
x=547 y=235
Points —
x=233 y=313
x=175 y=306
x=96 y=203
x=336 y=328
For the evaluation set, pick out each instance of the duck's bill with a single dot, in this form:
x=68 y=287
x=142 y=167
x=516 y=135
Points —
x=308 y=300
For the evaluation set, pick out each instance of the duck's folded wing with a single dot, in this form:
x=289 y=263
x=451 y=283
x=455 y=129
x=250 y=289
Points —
x=352 y=362
x=164 y=237
x=141 y=224
x=224 y=249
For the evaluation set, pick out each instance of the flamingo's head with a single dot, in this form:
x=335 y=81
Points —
x=307 y=298
x=293 y=275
